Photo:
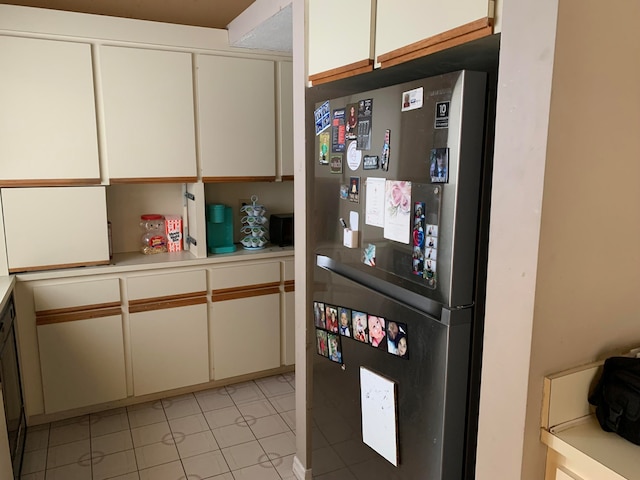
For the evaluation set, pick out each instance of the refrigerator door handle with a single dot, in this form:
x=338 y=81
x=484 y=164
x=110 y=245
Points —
x=390 y=290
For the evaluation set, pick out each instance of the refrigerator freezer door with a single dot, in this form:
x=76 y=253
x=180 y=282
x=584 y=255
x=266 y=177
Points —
x=431 y=386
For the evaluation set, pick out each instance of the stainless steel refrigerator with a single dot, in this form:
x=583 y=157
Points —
x=398 y=186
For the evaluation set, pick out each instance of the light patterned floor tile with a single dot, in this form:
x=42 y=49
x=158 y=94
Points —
x=267 y=426
x=151 y=413
x=245 y=392
x=243 y=455
x=73 y=471
x=35 y=476
x=261 y=408
x=223 y=417
x=128 y=476
x=284 y=403
x=154 y=433
x=233 y=435
x=284 y=466
x=155 y=454
x=113 y=465
x=68 y=433
x=205 y=465
x=104 y=425
x=82 y=419
x=34 y=461
x=279 y=445
x=167 y=471
x=189 y=425
x=36 y=440
x=274 y=386
x=213 y=399
x=68 y=453
x=111 y=443
x=182 y=406
x=196 y=444
x=290 y=418
x=262 y=471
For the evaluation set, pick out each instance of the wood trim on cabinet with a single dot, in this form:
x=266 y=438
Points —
x=289 y=286
x=167 y=298
x=75 y=316
x=79 y=308
x=55 y=267
x=50 y=182
x=238 y=179
x=154 y=180
x=245 y=291
x=287 y=178
x=185 y=302
x=451 y=38
x=346 y=71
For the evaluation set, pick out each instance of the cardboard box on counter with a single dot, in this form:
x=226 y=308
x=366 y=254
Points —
x=173 y=230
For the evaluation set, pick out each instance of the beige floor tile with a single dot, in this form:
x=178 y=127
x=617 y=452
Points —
x=155 y=454
x=233 y=435
x=128 y=476
x=34 y=461
x=243 y=455
x=267 y=426
x=182 y=406
x=290 y=418
x=274 y=386
x=167 y=471
x=154 y=433
x=104 y=425
x=284 y=466
x=68 y=453
x=284 y=403
x=245 y=392
x=36 y=440
x=152 y=413
x=260 y=408
x=111 y=443
x=68 y=433
x=113 y=465
x=205 y=465
x=189 y=425
x=196 y=444
x=213 y=399
x=73 y=471
x=223 y=417
x=262 y=471
x=36 y=476
x=279 y=445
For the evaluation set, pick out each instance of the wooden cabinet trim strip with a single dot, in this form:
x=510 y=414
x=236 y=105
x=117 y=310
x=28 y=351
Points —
x=287 y=178
x=351 y=70
x=154 y=180
x=167 y=298
x=451 y=38
x=75 y=316
x=79 y=308
x=289 y=286
x=49 y=182
x=238 y=179
x=55 y=267
x=245 y=291
x=147 y=307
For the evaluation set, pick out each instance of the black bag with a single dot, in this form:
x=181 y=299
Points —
x=617 y=397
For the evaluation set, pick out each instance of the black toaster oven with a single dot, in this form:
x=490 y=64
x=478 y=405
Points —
x=281 y=229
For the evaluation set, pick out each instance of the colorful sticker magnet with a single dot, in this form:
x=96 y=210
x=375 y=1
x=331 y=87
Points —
x=365 y=111
x=344 y=192
x=412 y=99
x=344 y=317
x=359 y=326
x=439 y=165
x=335 y=165
x=370 y=162
x=335 y=348
x=323 y=117
x=322 y=348
x=369 y=255
x=397 y=339
x=338 y=131
x=323 y=148
x=386 y=151
x=442 y=115
x=354 y=189
x=351 y=122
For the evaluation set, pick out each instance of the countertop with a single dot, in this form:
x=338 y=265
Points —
x=6 y=287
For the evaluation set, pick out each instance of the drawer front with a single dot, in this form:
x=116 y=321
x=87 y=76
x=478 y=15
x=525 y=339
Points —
x=79 y=295
x=223 y=278
x=289 y=270
x=167 y=285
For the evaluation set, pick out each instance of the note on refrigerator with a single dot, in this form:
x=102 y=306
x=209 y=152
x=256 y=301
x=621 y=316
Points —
x=379 y=417
x=397 y=215
x=374 y=205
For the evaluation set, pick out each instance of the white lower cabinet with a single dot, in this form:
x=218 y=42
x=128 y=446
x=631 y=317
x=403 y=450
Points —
x=169 y=348
x=246 y=335
x=82 y=362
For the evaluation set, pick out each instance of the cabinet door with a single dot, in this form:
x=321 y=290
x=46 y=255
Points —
x=416 y=20
x=236 y=118
x=55 y=227
x=169 y=348
x=147 y=99
x=246 y=335
x=82 y=362
x=285 y=120
x=47 y=119
x=351 y=47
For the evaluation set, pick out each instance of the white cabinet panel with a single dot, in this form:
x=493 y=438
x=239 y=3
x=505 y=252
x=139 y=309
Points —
x=246 y=335
x=236 y=117
x=400 y=25
x=82 y=363
x=288 y=330
x=285 y=119
x=77 y=295
x=169 y=348
x=340 y=33
x=55 y=226
x=188 y=283
x=47 y=118
x=148 y=111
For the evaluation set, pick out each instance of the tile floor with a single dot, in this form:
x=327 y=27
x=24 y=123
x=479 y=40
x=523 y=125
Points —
x=239 y=432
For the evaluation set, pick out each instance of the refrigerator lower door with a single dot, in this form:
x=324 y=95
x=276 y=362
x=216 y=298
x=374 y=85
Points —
x=430 y=390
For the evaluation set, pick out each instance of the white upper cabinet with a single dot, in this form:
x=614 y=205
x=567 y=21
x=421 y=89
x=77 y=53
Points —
x=285 y=120
x=236 y=118
x=340 y=34
x=147 y=99
x=436 y=22
x=47 y=113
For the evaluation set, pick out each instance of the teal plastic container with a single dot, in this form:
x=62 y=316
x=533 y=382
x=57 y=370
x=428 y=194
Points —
x=220 y=228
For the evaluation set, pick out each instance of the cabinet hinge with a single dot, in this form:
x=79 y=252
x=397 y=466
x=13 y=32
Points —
x=190 y=196
x=191 y=241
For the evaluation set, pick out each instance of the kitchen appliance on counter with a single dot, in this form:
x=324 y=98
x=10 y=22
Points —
x=253 y=230
x=398 y=188
x=281 y=229
x=220 y=228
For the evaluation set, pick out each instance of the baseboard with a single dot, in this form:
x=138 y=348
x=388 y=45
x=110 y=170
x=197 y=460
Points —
x=299 y=471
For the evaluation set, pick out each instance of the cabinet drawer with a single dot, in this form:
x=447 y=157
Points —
x=289 y=270
x=76 y=296
x=167 y=286
x=255 y=274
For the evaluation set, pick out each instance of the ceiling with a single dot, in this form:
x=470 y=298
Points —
x=202 y=13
